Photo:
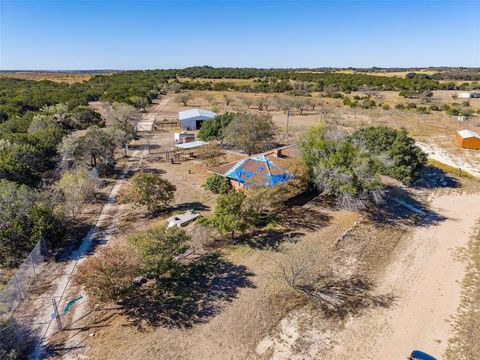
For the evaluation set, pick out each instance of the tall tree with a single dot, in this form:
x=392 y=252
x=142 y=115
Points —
x=77 y=187
x=158 y=247
x=124 y=118
x=183 y=98
x=228 y=216
x=252 y=133
x=340 y=169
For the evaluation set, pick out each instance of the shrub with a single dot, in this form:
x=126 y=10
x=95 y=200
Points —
x=217 y=184
x=109 y=275
x=386 y=107
x=150 y=190
x=214 y=128
x=404 y=159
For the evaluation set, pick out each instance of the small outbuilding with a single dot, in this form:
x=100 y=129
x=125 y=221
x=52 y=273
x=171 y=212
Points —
x=468 y=139
x=193 y=119
x=267 y=169
x=184 y=137
x=468 y=95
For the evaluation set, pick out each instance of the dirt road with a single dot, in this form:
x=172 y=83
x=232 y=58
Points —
x=425 y=278
x=146 y=124
x=437 y=153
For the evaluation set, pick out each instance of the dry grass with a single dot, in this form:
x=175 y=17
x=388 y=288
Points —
x=450 y=169
x=65 y=77
x=464 y=345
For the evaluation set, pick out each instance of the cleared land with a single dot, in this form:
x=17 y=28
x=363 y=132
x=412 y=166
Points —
x=65 y=77
x=241 y=312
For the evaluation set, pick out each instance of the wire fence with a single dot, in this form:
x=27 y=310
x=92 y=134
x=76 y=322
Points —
x=14 y=331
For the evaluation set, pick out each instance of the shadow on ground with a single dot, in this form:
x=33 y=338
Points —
x=400 y=207
x=200 y=291
x=345 y=297
x=307 y=218
x=432 y=177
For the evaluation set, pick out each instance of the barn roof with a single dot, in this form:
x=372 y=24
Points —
x=468 y=134
x=188 y=114
x=192 y=144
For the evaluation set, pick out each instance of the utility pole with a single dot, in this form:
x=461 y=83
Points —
x=286 y=129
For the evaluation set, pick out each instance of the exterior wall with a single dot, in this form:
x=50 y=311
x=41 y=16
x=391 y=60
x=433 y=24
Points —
x=471 y=143
x=459 y=139
x=235 y=184
x=468 y=143
x=191 y=123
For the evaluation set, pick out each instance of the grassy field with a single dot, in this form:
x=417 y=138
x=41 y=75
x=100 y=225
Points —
x=65 y=77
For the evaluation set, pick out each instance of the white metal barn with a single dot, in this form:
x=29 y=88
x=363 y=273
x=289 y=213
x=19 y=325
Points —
x=193 y=119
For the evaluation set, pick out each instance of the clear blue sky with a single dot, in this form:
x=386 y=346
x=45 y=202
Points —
x=157 y=34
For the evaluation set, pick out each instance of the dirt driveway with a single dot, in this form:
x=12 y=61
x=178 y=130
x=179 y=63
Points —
x=426 y=280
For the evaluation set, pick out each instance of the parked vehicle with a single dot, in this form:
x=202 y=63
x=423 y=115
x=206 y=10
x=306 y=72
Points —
x=420 y=355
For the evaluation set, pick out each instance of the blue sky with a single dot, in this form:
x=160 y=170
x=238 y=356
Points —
x=158 y=34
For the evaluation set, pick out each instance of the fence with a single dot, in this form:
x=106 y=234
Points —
x=15 y=334
x=161 y=124
x=17 y=289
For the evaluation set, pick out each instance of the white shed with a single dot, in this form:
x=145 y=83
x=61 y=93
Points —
x=468 y=95
x=193 y=119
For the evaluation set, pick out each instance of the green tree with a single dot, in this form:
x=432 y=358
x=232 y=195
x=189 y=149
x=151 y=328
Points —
x=340 y=169
x=96 y=146
x=150 y=190
x=217 y=184
x=183 y=98
x=77 y=187
x=125 y=118
x=24 y=219
x=83 y=117
x=253 y=133
x=402 y=159
x=214 y=129
x=228 y=216
x=158 y=247
x=19 y=162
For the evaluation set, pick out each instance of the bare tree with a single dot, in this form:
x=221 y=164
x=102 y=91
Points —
x=263 y=103
x=209 y=98
x=301 y=104
x=283 y=104
x=305 y=272
x=201 y=237
x=325 y=109
x=247 y=101
x=227 y=99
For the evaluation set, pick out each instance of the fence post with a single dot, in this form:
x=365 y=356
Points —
x=17 y=333
x=57 y=315
x=18 y=286
x=43 y=246
x=33 y=264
